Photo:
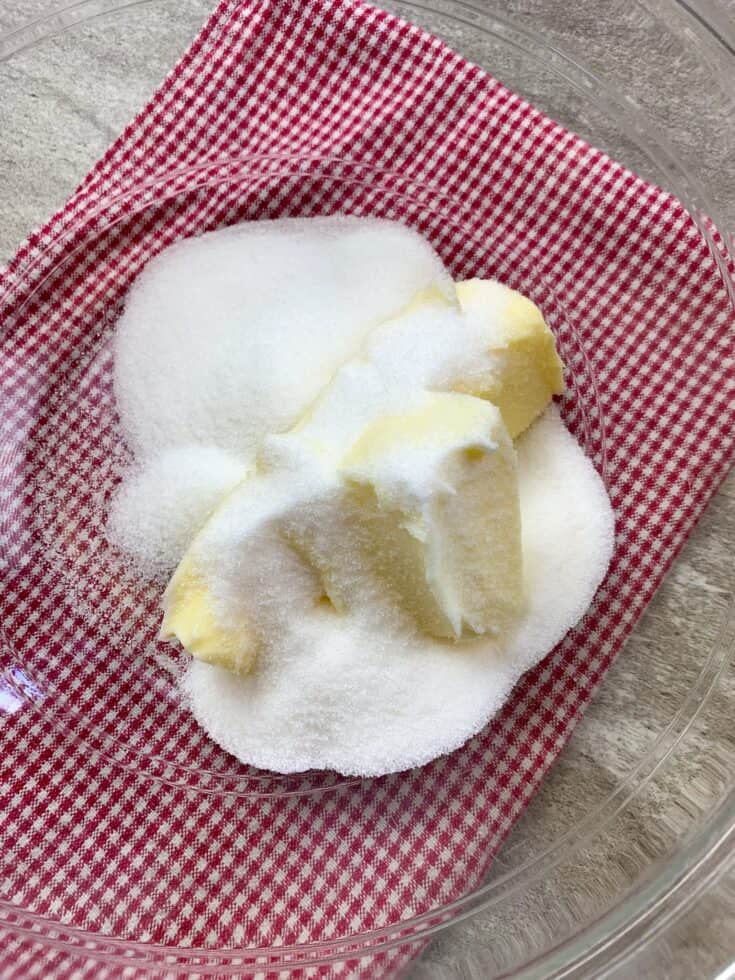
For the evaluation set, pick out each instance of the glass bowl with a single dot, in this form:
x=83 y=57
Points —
x=634 y=824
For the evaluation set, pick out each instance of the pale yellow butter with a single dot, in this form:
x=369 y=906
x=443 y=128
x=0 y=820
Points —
x=438 y=498
x=525 y=370
x=191 y=617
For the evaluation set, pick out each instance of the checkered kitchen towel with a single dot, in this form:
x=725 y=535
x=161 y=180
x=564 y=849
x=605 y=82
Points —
x=119 y=819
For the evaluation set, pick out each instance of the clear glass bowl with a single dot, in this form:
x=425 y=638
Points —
x=634 y=826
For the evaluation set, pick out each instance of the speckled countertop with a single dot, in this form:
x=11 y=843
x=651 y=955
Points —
x=62 y=102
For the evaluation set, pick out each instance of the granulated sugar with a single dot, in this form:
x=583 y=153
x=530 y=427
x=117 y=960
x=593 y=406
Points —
x=230 y=336
x=366 y=694
x=229 y=340
x=159 y=508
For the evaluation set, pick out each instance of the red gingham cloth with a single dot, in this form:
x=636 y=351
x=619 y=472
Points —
x=118 y=816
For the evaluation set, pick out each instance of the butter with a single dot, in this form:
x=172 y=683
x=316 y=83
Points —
x=397 y=488
x=239 y=574
x=422 y=510
x=437 y=491
x=525 y=370
x=191 y=617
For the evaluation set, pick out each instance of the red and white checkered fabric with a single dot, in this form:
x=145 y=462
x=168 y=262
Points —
x=119 y=819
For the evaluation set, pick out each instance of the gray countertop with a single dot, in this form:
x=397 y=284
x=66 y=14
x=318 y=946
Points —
x=61 y=105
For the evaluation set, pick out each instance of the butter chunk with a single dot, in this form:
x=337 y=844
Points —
x=191 y=617
x=421 y=512
x=227 y=596
x=525 y=370
x=435 y=492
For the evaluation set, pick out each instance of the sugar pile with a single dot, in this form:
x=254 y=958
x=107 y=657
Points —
x=365 y=694
x=227 y=341
x=230 y=336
